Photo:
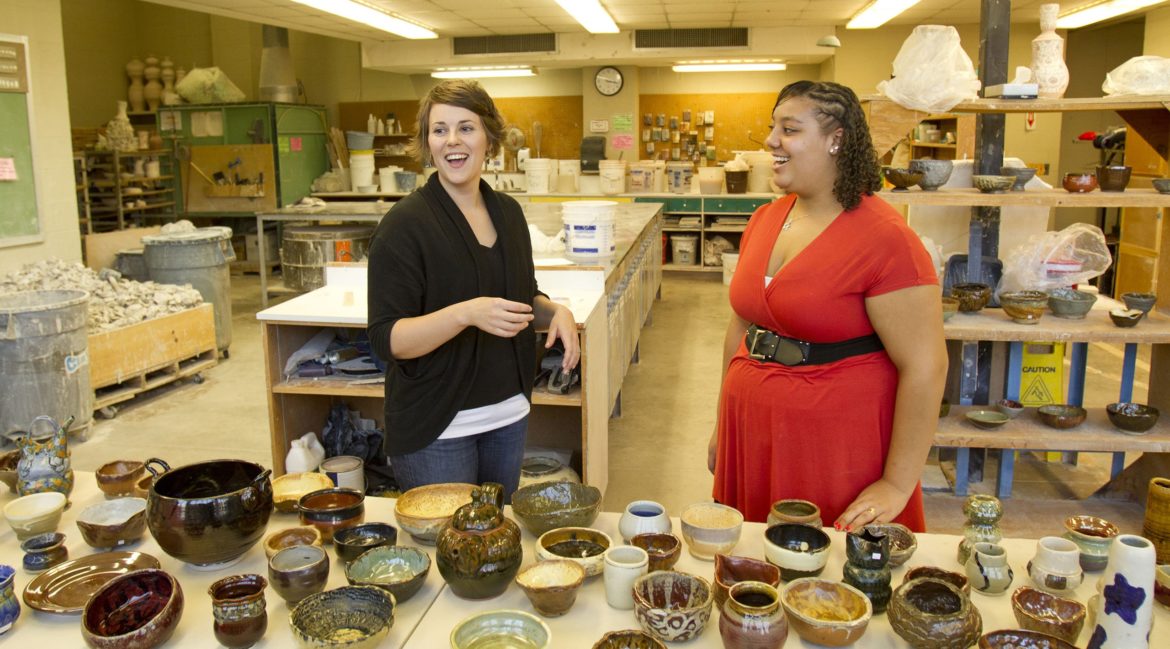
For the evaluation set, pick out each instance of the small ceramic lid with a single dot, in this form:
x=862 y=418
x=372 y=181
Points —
x=484 y=512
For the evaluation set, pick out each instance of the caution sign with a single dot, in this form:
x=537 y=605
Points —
x=1042 y=374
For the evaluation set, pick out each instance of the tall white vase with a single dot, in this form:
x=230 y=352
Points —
x=1124 y=605
x=1048 y=69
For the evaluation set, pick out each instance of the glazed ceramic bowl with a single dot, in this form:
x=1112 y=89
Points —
x=351 y=542
x=551 y=586
x=1062 y=416
x=1113 y=178
x=972 y=296
x=35 y=513
x=209 y=512
x=290 y=537
x=423 y=511
x=117 y=478
x=1021 y=174
x=288 y=489
x=993 y=184
x=8 y=469
x=1162 y=585
x=503 y=628
x=44 y=551
x=354 y=617
x=1125 y=318
x=928 y=612
x=1093 y=537
x=1161 y=185
x=672 y=606
x=1021 y=639
x=142 y=486
x=956 y=579
x=902 y=179
x=798 y=550
x=330 y=510
x=795 y=510
x=548 y=505
x=826 y=612
x=662 y=549
x=950 y=306
x=987 y=419
x=113 y=522
x=298 y=571
x=935 y=173
x=1009 y=407
x=730 y=570
x=1141 y=301
x=1037 y=610
x=1133 y=418
x=628 y=639
x=1024 y=307
x=903 y=543
x=710 y=529
x=137 y=609
x=398 y=569
x=582 y=545
x=1079 y=183
x=1069 y=303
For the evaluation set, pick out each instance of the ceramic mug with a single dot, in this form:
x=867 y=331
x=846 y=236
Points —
x=1056 y=568
x=346 y=471
x=623 y=565
x=643 y=517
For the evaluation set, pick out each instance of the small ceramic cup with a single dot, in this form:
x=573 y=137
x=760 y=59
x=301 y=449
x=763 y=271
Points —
x=643 y=517
x=623 y=565
x=1056 y=567
x=794 y=510
x=298 y=571
x=346 y=471
x=44 y=551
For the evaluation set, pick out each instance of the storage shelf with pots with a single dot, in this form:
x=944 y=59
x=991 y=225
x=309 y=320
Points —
x=708 y=209
x=118 y=190
x=1027 y=432
x=960 y=127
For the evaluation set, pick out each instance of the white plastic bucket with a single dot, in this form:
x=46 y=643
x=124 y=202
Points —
x=641 y=177
x=679 y=176
x=760 y=176
x=568 y=175
x=683 y=248
x=539 y=174
x=659 y=176
x=613 y=176
x=386 y=179
x=730 y=261
x=711 y=180
x=361 y=169
x=589 y=228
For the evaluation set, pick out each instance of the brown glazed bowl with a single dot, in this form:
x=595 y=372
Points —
x=902 y=179
x=1024 y=307
x=1037 y=610
x=826 y=612
x=1062 y=416
x=330 y=510
x=298 y=571
x=139 y=609
x=795 y=510
x=1021 y=639
x=1079 y=183
x=663 y=549
x=290 y=537
x=1113 y=178
x=972 y=296
x=672 y=606
x=928 y=612
x=551 y=586
x=209 y=512
x=956 y=579
x=1134 y=418
x=1125 y=318
x=288 y=489
x=111 y=523
x=628 y=639
x=351 y=542
x=730 y=570
x=903 y=543
x=993 y=184
x=117 y=478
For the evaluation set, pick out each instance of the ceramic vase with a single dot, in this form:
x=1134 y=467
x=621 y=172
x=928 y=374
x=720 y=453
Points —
x=9 y=604
x=1048 y=69
x=752 y=617
x=1093 y=536
x=930 y=613
x=479 y=551
x=643 y=517
x=239 y=610
x=167 y=74
x=44 y=465
x=152 y=91
x=1056 y=568
x=1124 y=604
x=794 y=510
x=983 y=514
x=134 y=93
x=1156 y=527
x=988 y=570
x=119 y=133
x=867 y=568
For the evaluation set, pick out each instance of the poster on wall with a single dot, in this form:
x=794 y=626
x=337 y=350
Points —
x=623 y=142
x=20 y=219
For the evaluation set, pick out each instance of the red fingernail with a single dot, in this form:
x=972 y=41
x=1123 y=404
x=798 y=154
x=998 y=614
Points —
x=848 y=528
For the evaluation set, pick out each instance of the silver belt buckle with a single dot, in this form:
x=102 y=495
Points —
x=752 y=353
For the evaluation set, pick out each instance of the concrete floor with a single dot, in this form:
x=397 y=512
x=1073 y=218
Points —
x=657 y=448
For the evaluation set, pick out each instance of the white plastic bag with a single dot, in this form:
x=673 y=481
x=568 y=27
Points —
x=1141 y=75
x=208 y=86
x=932 y=73
x=1050 y=260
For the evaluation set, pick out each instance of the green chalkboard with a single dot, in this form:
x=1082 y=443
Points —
x=19 y=221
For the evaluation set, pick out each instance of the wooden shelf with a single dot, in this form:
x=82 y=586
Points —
x=149 y=206
x=1066 y=105
x=682 y=229
x=1027 y=432
x=932 y=145
x=966 y=197
x=994 y=325
x=331 y=386
x=542 y=398
x=725 y=228
x=691 y=268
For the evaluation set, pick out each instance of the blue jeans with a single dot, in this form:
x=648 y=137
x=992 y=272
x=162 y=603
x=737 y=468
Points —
x=494 y=456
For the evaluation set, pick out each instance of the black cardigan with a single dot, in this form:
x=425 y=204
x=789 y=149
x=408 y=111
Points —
x=421 y=260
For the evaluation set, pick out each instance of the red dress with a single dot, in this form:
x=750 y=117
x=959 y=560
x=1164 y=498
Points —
x=817 y=432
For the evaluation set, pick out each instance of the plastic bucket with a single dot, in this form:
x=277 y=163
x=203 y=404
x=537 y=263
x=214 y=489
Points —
x=361 y=169
x=201 y=259
x=539 y=175
x=568 y=176
x=612 y=174
x=730 y=261
x=589 y=228
x=359 y=140
x=683 y=248
x=711 y=180
x=659 y=176
x=641 y=177
x=44 y=359
x=306 y=249
x=679 y=176
x=760 y=176
x=737 y=181
x=405 y=181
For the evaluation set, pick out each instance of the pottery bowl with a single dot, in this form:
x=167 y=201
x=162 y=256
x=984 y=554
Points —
x=1125 y=318
x=398 y=569
x=142 y=486
x=987 y=419
x=8 y=469
x=502 y=628
x=672 y=606
x=935 y=173
x=1021 y=174
x=956 y=579
x=794 y=510
x=972 y=296
x=628 y=639
x=1021 y=639
x=209 y=512
x=1037 y=610
x=1069 y=303
x=903 y=543
x=826 y=612
x=1162 y=185
x=582 y=545
x=544 y=506
x=290 y=537
x=1093 y=537
x=330 y=510
x=44 y=551
x=902 y=179
x=351 y=542
x=350 y=617
x=1079 y=183
x=35 y=513
x=1113 y=178
x=950 y=306
x=1132 y=417
x=710 y=529
x=117 y=478
x=993 y=184
x=1024 y=307
x=1009 y=407
x=1062 y=416
x=298 y=571
x=798 y=550
x=1162 y=585
x=729 y=571
x=423 y=511
x=663 y=549
x=1141 y=301
x=137 y=609
x=288 y=489
x=928 y=612
x=113 y=522
x=551 y=586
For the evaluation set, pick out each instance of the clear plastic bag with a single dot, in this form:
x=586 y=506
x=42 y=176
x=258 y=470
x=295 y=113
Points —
x=1141 y=75
x=932 y=73
x=1050 y=260
x=208 y=86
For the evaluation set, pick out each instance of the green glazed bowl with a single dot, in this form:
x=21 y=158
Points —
x=545 y=506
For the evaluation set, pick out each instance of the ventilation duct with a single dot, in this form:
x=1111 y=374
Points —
x=278 y=82
x=503 y=44
x=715 y=37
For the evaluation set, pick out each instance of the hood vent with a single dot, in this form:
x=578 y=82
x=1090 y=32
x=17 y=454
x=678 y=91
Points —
x=719 y=37
x=504 y=44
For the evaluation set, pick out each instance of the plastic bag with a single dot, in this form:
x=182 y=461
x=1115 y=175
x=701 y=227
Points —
x=1050 y=260
x=208 y=86
x=1141 y=75
x=713 y=249
x=932 y=73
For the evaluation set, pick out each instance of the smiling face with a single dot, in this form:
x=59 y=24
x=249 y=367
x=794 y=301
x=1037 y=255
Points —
x=458 y=145
x=803 y=154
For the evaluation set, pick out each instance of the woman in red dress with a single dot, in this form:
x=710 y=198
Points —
x=836 y=401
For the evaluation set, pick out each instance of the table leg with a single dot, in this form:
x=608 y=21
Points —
x=962 y=458
x=1076 y=386
x=1007 y=468
x=263 y=261
x=1128 y=366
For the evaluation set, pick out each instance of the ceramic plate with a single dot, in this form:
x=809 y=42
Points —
x=66 y=588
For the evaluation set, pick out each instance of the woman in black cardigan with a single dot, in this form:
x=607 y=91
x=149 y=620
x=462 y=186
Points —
x=453 y=306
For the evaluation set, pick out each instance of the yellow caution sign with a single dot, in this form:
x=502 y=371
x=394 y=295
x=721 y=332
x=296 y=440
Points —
x=1042 y=374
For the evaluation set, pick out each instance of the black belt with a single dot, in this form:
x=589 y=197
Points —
x=768 y=346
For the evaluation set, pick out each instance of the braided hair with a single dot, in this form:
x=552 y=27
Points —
x=858 y=171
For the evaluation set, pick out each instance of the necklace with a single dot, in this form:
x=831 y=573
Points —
x=788 y=223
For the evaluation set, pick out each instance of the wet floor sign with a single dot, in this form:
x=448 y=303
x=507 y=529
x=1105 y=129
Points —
x=1042 y=374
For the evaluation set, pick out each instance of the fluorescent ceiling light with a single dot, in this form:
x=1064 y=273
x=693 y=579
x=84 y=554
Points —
x=878 y=13
x=1101 y=11
x=592 y=16
x=367 y=15
x=483 y=73
x=728 y=66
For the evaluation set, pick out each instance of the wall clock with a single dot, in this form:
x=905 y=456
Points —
x=608 y=81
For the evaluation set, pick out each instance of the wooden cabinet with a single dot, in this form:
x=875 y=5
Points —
x=704 y=217
x=943 y=137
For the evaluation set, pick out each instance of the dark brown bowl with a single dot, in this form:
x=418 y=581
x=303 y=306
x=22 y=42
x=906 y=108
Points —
x=1079 y=183
x=330 y=510
x=956 y=579
x=351 y=542
x=1021 y=639
x=902 y=179
x=972 y=296
x=1132 y=417
x=628 y=639
x=903 y=543
x=298 y=571
x=930 y=612
x=730 y=570
x=117 y=478
x=1125 y=318
x=1037 y=610
x=663 y=549
x=1113 y=178
x=1062 y=416
x=137 y=609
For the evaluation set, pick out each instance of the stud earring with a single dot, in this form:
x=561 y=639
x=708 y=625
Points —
x=833 y=151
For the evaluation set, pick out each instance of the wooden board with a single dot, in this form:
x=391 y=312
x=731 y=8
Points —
x=128 y=352
x=1027 y=432
x=969 y=196
x=254 y=160
x=1066 y=105
x=736 y=116
x=102 y=249
x=992 y=324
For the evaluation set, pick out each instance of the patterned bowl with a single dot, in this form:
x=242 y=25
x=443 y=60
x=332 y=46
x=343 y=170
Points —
x=993 y=184
x=289 y=537
x=423 y=511
x=1037 y=610
x=903 y=543
x=354 y=617
x=582 y=545
x=1024 y=307
x=663 y=549
x=672 y=606
x=956 y=579
x=1079 y=183
x=502 y=628
x=351 y=542
x=137 y=609
x=798 y=550
x=972 y=296
x=1093 y=536
x=396 y=569
x=1021 y=639
x=1133 y=418
x=628 y=639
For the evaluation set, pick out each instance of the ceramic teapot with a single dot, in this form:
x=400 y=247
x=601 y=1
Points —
x=479 y=551
x=44 y=465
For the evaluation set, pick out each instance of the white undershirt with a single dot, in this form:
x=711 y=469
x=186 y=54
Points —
x=474 y=421
x=767 y=281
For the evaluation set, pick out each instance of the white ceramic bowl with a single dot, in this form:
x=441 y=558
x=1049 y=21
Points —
x=35 y=513
x=710 y=529
x=798 y=550
x=577 y=544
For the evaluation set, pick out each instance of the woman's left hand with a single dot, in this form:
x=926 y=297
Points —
x=880 y=502
x=564 y=328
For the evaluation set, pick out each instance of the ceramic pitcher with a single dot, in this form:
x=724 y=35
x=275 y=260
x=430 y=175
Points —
x=479 y=551
x=1124 y=604
x=44 y=465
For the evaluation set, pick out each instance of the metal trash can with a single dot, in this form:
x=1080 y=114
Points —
x=305 y=251
x=199 y=258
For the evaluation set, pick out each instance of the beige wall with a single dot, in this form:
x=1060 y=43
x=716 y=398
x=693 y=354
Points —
x=40 y=21
x=594 y=106
x=664 y=81
x=1157 y=36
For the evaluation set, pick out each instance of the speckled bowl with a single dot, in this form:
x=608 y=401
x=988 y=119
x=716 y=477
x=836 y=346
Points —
x=1021 y=174
x=136 y=609
x=423 y=511
x=903 y=543
x=112 y=523
x=583 y=545
x=503 y=628
x=826 y=612
x=1024 y=307
x=551 y=586
x=928 y=612
x=628 y=639
x=710 y=529
x=397 y=569
x=1037 y=610
x=354 y=617
x=1062 y=416
x=1021 y=639
x=987 y=419
x=1070 y=304
x=1141 y=301
x=902 y=179
x=972 y=296
x=663 y=549
x=544 y=506
x=672 y=606
x=1132 y=418
x=351 y=542
x=993 y=184
x=935 y=173
x=290 y=537
x=288 y=489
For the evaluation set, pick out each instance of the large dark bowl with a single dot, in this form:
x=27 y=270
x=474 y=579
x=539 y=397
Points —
x=351 y=542
x=330 y=510
x=545 y=506
x=1113 y=178
x=902 y=179
x=209 y=512
x=1132 y=417
x=1062 y=416
x=139 y=609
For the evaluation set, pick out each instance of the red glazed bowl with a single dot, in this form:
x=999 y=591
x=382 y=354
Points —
x=1079 y=183
x=137 y=609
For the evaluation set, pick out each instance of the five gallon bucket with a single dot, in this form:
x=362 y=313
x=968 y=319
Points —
x=642 y=177
x=199 y=258
x=540 y=172
x=613 y=176
x=589 y=228
x=730 y=261
x=305 y=250
x=44 y=359
x=679 y=176
x=361 y=171
x=683 y=248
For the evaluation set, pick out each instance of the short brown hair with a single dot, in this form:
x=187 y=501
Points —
x=463 y=93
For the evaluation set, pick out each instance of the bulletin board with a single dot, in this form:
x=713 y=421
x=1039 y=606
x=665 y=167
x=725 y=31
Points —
x=20 y=221
x=741 y=120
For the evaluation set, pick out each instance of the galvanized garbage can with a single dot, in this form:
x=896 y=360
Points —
x=44 y=359
x=199 y=258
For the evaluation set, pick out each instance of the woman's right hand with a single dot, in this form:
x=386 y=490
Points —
x=497 y=316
